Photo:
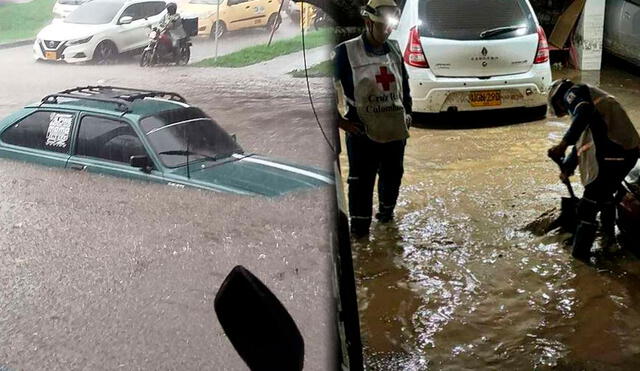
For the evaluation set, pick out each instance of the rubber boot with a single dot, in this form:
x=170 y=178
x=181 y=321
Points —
x=608 y=228
x=583 y=240
x=360 y=227
x=385 y=213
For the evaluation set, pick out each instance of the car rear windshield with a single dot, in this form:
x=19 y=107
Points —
x=94 y=12
x=467 y=19
x=173 y=134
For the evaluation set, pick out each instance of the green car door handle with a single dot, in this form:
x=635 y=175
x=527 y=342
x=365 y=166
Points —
x=78 y=167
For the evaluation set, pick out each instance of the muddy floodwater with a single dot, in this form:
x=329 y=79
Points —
x=104 y=273
x=454 y=283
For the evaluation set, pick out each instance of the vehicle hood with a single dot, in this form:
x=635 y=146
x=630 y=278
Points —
x=60 y=31
x=254 y=175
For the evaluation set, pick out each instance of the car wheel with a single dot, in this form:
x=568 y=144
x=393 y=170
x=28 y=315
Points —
x=274 y=22
x=222 y=29
x=105 y=53
x=146 y=59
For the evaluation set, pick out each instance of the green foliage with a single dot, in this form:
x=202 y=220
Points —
x=24 y=21
x=261 y=53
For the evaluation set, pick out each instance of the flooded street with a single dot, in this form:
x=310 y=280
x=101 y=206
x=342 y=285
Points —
x=455 y=283
x=98 y=272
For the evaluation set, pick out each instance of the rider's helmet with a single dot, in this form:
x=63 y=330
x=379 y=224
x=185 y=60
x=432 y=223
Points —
x=172 y=8
x=382 y=11
x=557 y=91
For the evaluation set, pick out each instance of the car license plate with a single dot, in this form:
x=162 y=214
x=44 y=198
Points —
x=485 y=98
x=51 y=55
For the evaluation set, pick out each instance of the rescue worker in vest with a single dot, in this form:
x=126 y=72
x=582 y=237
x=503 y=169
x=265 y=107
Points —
x=375 y=107
x=606 y=147
x=172 y=22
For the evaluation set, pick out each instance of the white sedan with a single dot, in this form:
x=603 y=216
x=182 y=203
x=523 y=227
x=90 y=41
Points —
x=99 y=30
x=468 y=55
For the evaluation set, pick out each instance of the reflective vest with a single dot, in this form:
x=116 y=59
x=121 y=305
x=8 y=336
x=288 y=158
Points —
x=377 y=81
x=620 y=130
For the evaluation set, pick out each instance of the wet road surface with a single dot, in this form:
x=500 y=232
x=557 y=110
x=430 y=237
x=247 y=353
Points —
x=106 y=273
x=454 y=283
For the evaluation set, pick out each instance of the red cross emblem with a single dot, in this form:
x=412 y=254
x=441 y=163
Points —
x=385 y=78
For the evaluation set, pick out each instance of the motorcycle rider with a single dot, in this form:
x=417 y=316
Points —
x=172 y=22
x=606 y=146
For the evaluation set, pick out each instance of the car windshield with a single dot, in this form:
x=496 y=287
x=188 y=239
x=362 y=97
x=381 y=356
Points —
x=468 y=19
x=187 y=131
x=94 y=12
x=209 y=2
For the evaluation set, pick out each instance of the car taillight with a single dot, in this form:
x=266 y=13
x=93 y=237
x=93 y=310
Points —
x=413 y=54
x=542 y=54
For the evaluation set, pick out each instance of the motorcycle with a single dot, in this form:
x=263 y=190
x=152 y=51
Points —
x=627 y=206
x=321 y=20
x=160 y=50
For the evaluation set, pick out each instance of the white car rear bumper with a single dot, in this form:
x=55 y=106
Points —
x=438 y=94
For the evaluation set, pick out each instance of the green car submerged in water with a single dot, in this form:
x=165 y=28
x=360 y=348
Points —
x=145 y=135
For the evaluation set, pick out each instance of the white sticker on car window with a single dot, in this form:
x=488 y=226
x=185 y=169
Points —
x=59 y=129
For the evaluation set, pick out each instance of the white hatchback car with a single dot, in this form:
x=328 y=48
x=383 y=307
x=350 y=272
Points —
x=100 y=30
x=467 y=55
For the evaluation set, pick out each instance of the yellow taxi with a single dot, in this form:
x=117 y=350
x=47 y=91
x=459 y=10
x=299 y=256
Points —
x=234 y=15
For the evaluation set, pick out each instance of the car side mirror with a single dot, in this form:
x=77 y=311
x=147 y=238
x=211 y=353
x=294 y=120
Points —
x=257 y=324
x=234 y=137
x=127 y=19
x=142 y=162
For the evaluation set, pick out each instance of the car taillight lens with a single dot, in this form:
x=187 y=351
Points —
x=413 y=54
x=542 y=54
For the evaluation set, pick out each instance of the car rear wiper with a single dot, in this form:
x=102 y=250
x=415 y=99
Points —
x=500 y=30
x=189 y=153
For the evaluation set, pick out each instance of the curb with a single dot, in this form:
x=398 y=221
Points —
x=15 y=44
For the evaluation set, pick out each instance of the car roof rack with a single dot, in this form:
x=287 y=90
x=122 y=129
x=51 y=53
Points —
x=121 y=97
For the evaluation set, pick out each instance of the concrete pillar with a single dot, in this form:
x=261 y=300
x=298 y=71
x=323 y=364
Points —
x=588 y=36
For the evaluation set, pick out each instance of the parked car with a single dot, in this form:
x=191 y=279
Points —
x=622 y=29
x=62 y=8
x=145 y=135
x=468 y=55
x=234 y=15
x=99 y=30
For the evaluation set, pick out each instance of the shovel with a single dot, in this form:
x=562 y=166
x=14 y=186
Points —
x=567 y=220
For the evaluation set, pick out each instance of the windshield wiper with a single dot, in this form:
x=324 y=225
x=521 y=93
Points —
x=499 y=30
x=188 y=153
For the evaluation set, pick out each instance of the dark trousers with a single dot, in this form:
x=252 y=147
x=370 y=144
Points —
x=599 y=197
x=366 y=160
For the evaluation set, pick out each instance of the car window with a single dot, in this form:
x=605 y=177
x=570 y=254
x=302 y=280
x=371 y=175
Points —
x=235 y=2
x=44 y=130
x=153 y=8
x=466 y=19
x=108 y=139
x=94 y=12
x=135 y=11
x=173 y=134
